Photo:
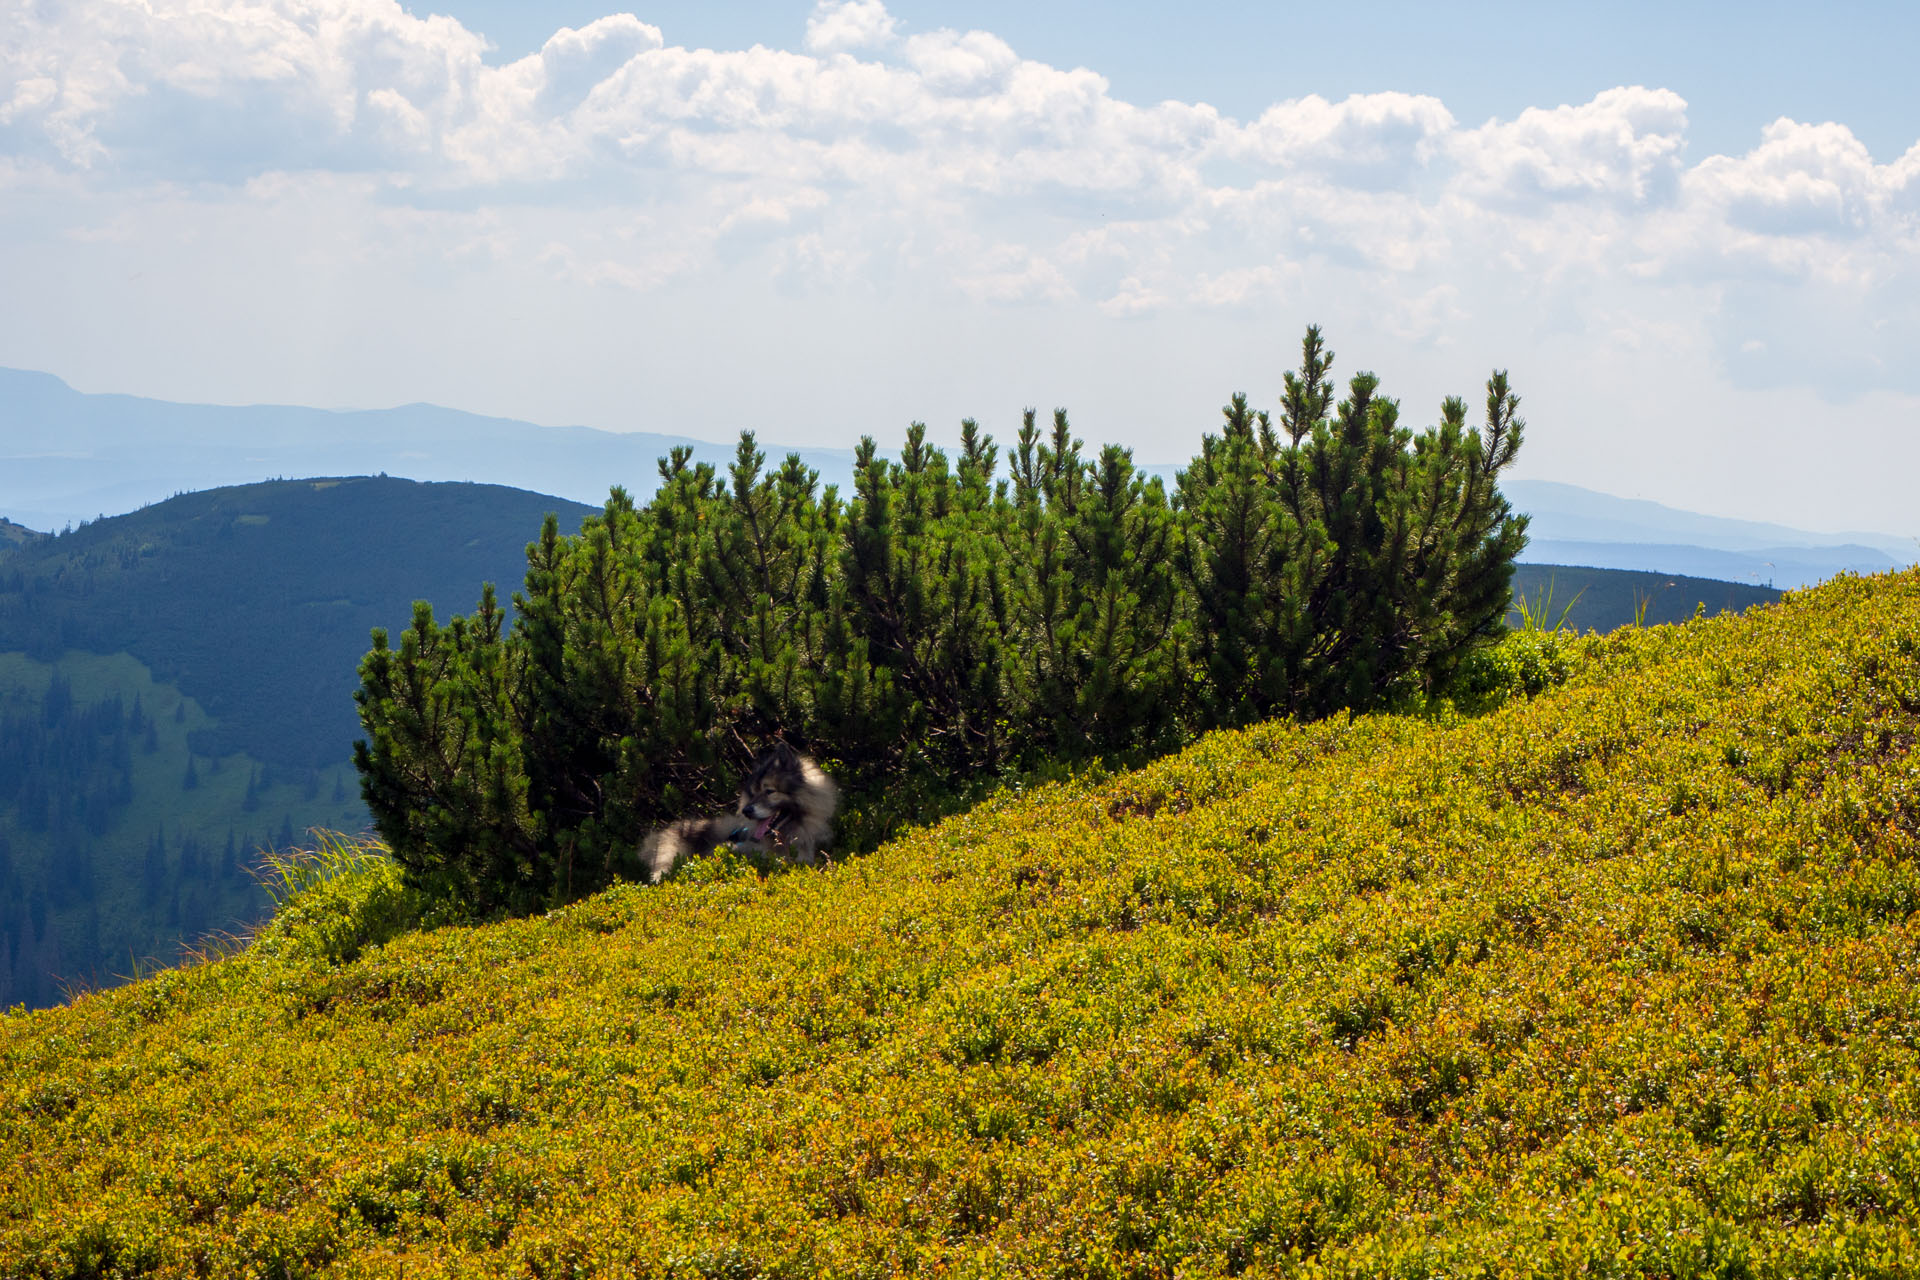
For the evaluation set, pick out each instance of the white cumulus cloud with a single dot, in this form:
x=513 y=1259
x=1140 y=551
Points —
x=845 y=26
x=1624 y=146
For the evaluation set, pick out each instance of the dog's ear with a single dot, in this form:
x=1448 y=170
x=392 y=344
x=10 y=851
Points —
x=782 y=756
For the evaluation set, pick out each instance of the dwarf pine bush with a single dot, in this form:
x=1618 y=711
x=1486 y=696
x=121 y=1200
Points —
x=1618 y=980
x=938 y=627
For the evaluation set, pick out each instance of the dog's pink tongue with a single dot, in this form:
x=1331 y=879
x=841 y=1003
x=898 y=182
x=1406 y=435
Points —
x=760 y=832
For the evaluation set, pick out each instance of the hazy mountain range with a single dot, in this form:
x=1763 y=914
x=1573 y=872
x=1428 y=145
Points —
x=1572 y=525
x=68 y=456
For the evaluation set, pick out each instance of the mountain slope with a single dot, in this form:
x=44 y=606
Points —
x=258 y=599
x=176 y=690
x=1615 y=981
x=241 y=615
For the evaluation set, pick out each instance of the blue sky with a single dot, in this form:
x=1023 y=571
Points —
x=1691 y=232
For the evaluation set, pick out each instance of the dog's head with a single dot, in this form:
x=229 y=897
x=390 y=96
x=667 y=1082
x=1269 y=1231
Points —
x=773 y=794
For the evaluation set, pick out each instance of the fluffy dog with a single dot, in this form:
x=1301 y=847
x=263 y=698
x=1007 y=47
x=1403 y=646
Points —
x=786 y=806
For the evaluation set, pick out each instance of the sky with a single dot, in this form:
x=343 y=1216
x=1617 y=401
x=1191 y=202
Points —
x=1691 y=233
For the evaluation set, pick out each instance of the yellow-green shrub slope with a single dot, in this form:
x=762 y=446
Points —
x=1619 y=980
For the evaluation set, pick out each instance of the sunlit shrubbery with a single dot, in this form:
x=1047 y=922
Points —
x=336 y=899
x=1619 y=979
x=1523 y=665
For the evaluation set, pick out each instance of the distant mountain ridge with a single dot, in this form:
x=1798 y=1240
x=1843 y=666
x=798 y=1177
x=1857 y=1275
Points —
x=68 y=456
x=1783 y=567
x=1582 y=515
x=1575 y=526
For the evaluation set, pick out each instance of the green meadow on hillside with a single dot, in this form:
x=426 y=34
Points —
x=1617 y=980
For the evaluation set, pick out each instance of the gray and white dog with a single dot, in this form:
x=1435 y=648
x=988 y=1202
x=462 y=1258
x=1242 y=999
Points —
x=786 y=807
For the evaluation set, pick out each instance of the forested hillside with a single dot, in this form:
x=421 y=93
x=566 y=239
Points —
x=176 y=692
x=1616 y=980
x=1587 y=599
x=257 y=600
